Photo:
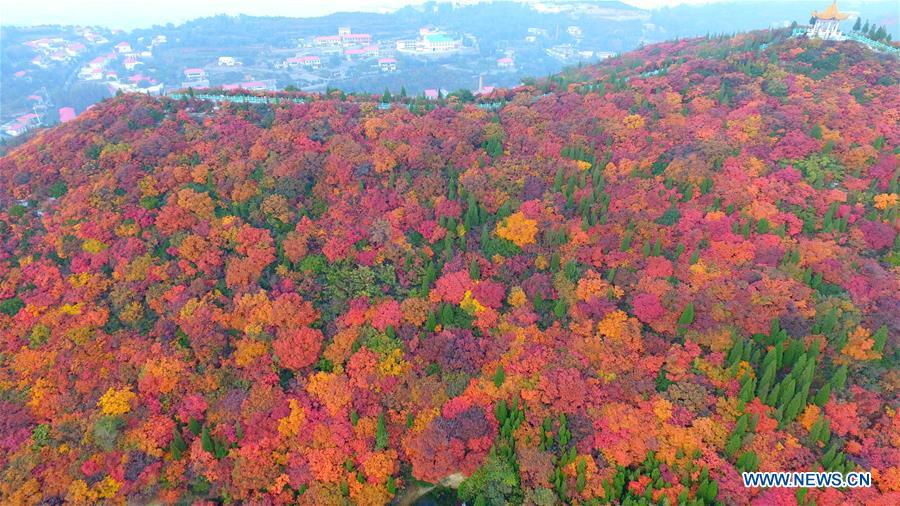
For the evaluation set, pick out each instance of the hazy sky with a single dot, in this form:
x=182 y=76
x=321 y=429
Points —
x=137 y=14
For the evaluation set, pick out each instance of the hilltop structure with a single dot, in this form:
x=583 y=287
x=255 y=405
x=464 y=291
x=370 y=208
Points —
x=826 y=24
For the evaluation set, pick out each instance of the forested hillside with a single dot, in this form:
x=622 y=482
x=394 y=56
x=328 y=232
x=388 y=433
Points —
x=629 y=283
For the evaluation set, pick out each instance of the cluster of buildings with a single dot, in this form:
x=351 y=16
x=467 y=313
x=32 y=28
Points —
x=259 y=85
x=21 y=124
x=26 y=121
x=37 y=117
x=353 y=46
x=54 y=50
x=535 y=33
x=430 y=42
x=101 y=68
x=197 y=78
x=567 y=53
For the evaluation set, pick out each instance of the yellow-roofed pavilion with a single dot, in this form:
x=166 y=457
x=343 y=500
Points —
x=827 y=23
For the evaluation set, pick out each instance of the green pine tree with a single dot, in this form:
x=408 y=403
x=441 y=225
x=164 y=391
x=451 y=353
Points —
x=381 y=434
x=687 y=316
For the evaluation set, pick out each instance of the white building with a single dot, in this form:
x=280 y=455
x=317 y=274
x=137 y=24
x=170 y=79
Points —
x=227 y=61
x=131 y=62
x=438 y=42
x=310 y=61
x=194 y=74
x=430 y=42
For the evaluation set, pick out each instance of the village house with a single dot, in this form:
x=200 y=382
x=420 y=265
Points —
x=309 y=61
x=359 y=53
x=387 y=64
x=75 y=48
x=194 y=74
x=131 y=62
x=328 y=41
x=15 y=129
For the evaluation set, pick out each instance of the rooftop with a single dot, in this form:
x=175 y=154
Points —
x=66 y=114
x=438 y=37
x=831 y=13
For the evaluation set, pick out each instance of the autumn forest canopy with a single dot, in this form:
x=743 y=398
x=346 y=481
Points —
x=627 y=283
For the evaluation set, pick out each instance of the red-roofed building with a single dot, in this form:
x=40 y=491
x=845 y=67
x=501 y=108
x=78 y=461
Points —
x=305 y=61
x=28 y=119
x=20 y=73
x=194 y=74
x=66 y=114
x=256 y=86
x=356 y=38
x=123 y=47
x=15 y=129
x=344 y=38
x=131 y=62
x=361 y=52
x=265 y=85
x=36 y=98
x=42 y=43
x=98 y=62
x=136 y=78
x=387 y=64
x=328 y=41
x=74 y=48
x=506 y=63
x=432 y=94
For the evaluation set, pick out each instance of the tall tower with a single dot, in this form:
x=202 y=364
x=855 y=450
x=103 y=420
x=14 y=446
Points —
x=827 y=23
